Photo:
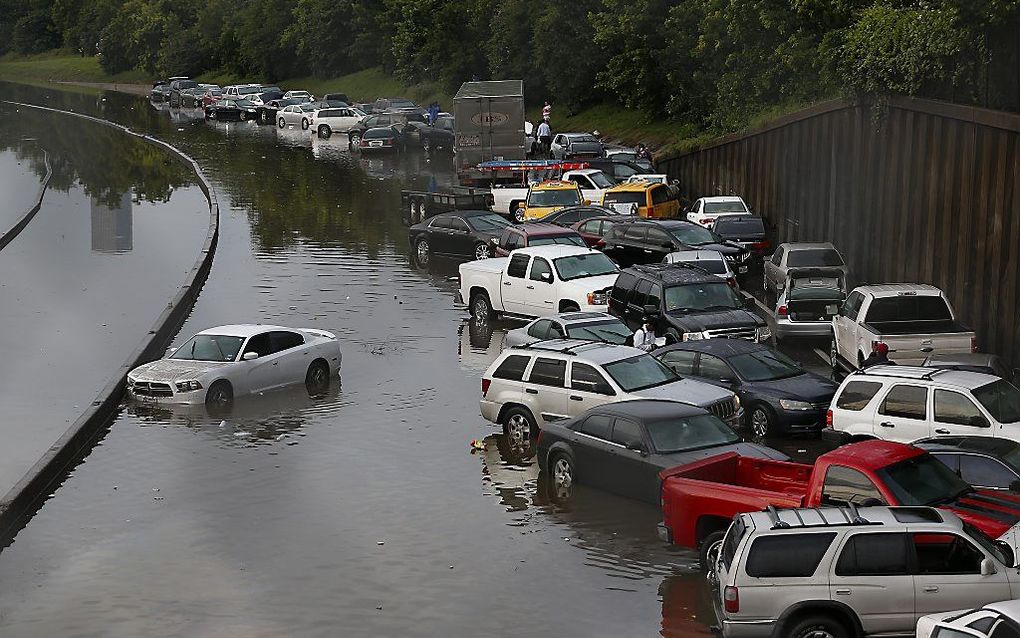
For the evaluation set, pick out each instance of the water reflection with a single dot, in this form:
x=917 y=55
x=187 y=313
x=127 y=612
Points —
x=112 y=226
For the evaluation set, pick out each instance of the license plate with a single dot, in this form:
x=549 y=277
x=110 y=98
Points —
x=742 y=269
x=375 y=143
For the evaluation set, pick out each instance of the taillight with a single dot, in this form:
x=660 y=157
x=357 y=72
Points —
x=782 y=311
x=600 y=243
x=706 y=220
x=732 y=282
x=363 y=142
x=973 y=344
x=828 y=418
x=874 y=345
x=485 y=386
x=731 y=599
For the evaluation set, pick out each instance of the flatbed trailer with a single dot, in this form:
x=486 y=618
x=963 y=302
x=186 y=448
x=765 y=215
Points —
x=421 y=205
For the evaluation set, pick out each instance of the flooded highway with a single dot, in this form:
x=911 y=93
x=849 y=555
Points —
x=362 y=512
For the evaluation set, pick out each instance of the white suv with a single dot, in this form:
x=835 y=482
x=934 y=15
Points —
x=901 y=403
x=527 y=387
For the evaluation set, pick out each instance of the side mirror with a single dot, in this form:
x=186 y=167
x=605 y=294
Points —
x=1007 y=553
x=668 y=245
x=988 y=567
x=979 y=422
x=546 y=277
x=650 y=310
x=637 y=447
x=250 y=356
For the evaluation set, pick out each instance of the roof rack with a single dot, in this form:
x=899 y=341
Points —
x=568 y=349
x=901 y=373
x=848 y=516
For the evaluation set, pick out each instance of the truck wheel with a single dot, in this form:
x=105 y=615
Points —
x=324 y=131
x=519 y=215
x=761 y=421
x=481 y=309
x=709 y=549
x=519 y=427
x=818 y=627
x=482 y=250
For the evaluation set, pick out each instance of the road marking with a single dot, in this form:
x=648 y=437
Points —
x=824 y=356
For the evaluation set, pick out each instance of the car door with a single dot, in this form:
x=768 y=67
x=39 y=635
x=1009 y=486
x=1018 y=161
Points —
x=902 y=414
x=515 y=293
x=440 y=235
x=771 y=266
x=292 y=356
x=872 y=577
x=260 y=371
x=657 y=245
x=633 y=475
x=633 y=244
x=954 y=413
x=636 y=301
x=540 y=290
x=591 y=447
x=588 y=388
x=714 y=370
x=547 y=384
x=844 y=327
x=462 y=243
x=681 y=362
x=947 y=574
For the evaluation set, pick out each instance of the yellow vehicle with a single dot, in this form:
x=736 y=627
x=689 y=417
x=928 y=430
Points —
x=549 y=197
x=652 y=199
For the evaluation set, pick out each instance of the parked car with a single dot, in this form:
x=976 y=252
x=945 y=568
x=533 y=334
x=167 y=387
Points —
x=195 y=98
x=705 y=209
x=461 y=233
x=986 y=463
x=629 y=155
x=571 y=216
x=904 y=403
x=375 y=120
x=807 y=304
x=160 y=91
x=913 y=320
x=177 y=87
x=801 y=255
x=330 y=120
x=242 y=91
x=594 y=230
x=746 y=230
x=535 y=234
x=302 y=115
x=428 y=138
x=534 y=282
x=621 y=447
x=647 y=241
x=527 y=388
x=231 y=109
x=592 y=182
x=266 y=96
x=993 y=620
x=211 y=96
x=842 y=572
x=685 y=303
x=711 y=261
x=700 y=499
x=382 y=139
x=219 y=364
x=778 y=395
x=616 y=169
x=548 y=197
x=653 y=200
x=299 y=95
x=340 y=97
x=395 y=104
x=972 y=362
x=267 y=112
x=576 y=146
x=583 y=326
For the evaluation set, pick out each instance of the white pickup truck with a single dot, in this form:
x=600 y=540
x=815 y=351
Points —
x=539 y=281
x=593 y=182
x=914 y=320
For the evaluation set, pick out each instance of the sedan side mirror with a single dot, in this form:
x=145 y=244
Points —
x=650 y=310
x=637 y=447
x=988 y=567
x=979 y=422
x=250 y=356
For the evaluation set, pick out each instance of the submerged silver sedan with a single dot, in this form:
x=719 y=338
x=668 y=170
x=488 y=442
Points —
x=220 y=363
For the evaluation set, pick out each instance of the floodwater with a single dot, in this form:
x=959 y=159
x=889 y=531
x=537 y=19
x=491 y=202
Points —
x=360 y=513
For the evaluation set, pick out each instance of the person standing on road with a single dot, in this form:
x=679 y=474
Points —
x=644 y=337
x=879 y=356
x=433 y=113
x=546 y=111
x=545 y=136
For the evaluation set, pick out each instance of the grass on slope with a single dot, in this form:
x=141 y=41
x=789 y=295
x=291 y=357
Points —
x=60 y=67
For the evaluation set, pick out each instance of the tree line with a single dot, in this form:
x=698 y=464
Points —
x=712 y=63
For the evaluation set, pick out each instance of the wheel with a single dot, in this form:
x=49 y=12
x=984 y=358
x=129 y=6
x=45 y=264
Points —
x=761 y=421
x=818 y=627
x=482 y=250
x=214 y=115
x=304 y=124
x=317 y=377
x=324 y=131
x=220 y=395
x=672 y=336
x=709 y=549
x=519 y=215
x=354 y=139
x=426 y=145
x=561 y=471
x=282 y=123
x=519 y=427
x=243 y=116
x=423 y=252
x=480 y=307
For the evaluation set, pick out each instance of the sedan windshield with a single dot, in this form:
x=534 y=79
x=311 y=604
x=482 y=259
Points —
x=1001 y=399
x=600 y=180
x=640 y=373
x=694 y=235
x=566 y=240
x=609 y=331
x=765 y=365
x=713 y=266
x=703 y=297
x=586 y=265
x=559 y=197
x=725 y=207
x=690 y=433
x=308 y=107
x=209 y=348
x=923 y=480
x=814 y=257
x=244 y=104
x=485 y=223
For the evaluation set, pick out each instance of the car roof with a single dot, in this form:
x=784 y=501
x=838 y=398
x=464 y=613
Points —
x=583 y=317
x=553 y=251
x=585 y=171
x=665 y=223
x=720 y=347
x=593 y=351
x=993 y=446
x=961 y=378
x=872 y=454
x=799 y=520
x=575 y=135
x=554 y=184
x=244 y=329
x=729 y=216
x=465 y=213
x=632 y=187
x=675 y=273
x=541 y=229
x=649 y=409
x=805 y=245
x=891 y=290
x=722 y=198
x=699 y=255
x=1010 y=608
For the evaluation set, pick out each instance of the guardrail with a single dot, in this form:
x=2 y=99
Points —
x=23 y=221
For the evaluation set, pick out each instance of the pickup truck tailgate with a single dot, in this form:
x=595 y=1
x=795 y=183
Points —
x=913 y=349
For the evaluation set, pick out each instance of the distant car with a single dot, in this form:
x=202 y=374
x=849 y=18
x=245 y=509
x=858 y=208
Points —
x=985 y=462
x=160 y=91
x=646 y=199
x=621 y=447
x=643 y=241
x=299 y=95
x=219 y=364
x=746 y=230
x=242 y=91
x=593 y=230
x=576 y=146
x=616 y=169
x=231 y=110
x=778 y=395
x=428 y=138
x=994 y=620
x=382 y=139
x=705 y=210
x=569 y=216
x=211 y=96
x=584 y=326
x=394 y=104
x=535 y=234
x=177 y=87
x=463 y=233
x=630 y=155
x=820 y=256
x=340 y=97
x=653 y=178
x=548 y=197
x=807 y=303
x=194 y=98
x=375 y=120
x=972 y=362
x=711 y=261
x=330 y=120
x=302 y=115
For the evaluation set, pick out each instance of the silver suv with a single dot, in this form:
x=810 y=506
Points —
x=527 y=387
x=837 y=573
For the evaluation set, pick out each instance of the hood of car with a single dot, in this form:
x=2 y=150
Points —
x=743 y=448
x=714 y=320
x=591 y=284
x=806 y=387
x=726 y=247
x=170 y=370
x=994 y=513
x=687 y=391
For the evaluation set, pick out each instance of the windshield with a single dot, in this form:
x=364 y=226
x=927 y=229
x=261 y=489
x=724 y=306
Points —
x=610 y=331
x=909 y=308
x=586 y=265
x=244 y=104
x=600 y=180
x=209 y=348
x=714 y=266
x=923 y=480
x=765 y=365
x=703 y=297
x=566 y=240
x=559 y=197
x=487 y=222
x=308 y=107
x=988 y=544
x=725 y=207
x=814 y=257
x=246 y=90
x=625 y=198
x=690 y=433
x=445 y=123
x=639 y=373
x=740 y=226
x=1001 y=399
x=694 y=235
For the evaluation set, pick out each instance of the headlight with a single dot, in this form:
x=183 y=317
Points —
x=188 y=386
x=597 y=298
x=762 y=333
x=736 y=401
x=790 y=404
x=694 y=336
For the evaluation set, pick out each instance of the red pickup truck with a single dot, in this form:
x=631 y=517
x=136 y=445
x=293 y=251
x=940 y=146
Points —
x=700 y=499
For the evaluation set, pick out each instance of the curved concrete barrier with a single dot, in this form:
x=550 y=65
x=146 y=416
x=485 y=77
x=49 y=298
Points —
x=15 y=230
x=27 y=495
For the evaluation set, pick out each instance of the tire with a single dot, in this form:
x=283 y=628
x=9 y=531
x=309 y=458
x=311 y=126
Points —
x=519 y=427
x=480 y=307
x=761 y=421
x=354 y=139
x=482 y=250
x=818 y=627
x=220 y=395
x=423 y=252
x=214 y=116
x=708 y=547
x=324 y=131
x=672 y=336
x=317 y=378
x=561 y=474
x=243 y=116
x=282 y=122
x=304 y=124
x=519 y=215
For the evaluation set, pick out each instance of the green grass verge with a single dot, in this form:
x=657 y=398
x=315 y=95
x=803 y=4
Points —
x=57 y=66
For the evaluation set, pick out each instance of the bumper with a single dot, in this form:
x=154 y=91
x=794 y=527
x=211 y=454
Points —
x=835 y=437
x=787 y=328
x=739 y=628
x=664 y=533
x=489 y=410
x=195 y=397
x=800 y=420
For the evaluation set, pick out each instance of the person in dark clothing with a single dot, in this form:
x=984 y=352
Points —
x=879 y=356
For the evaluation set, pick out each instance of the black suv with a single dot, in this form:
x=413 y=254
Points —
x=648 y=241
x=687 y=304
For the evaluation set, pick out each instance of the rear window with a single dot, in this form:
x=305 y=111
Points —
x=625 y=198
x=739 y=226
x=909 y=308
x=787 y=555
x=857 y=394
x=814 y=257
x=713 y=266
x=512 y=368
